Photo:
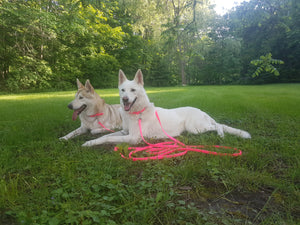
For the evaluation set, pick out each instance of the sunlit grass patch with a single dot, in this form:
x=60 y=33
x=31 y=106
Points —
x=66 y=94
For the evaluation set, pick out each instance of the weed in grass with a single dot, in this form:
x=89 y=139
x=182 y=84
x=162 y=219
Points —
x=9 y=189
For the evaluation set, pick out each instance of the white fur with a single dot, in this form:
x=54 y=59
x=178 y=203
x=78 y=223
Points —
x=174 y=121
x=87 y=96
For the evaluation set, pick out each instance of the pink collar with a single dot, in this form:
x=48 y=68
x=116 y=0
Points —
x=138 y=112
x=100 y=114
x=97 y=114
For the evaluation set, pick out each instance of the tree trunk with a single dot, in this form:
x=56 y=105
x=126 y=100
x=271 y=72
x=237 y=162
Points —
x=183 y=77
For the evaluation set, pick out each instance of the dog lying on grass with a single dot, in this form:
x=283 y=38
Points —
x=136 y=105
x=95 y=115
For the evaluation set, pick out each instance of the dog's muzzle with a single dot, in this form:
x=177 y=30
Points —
x=70 y=106
x=127 y=104
x=76 y=111
x=125 y=100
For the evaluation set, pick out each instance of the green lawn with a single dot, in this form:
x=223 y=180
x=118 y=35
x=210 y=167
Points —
x=47 y=181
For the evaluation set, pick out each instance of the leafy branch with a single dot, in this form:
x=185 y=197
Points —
x=265 y=63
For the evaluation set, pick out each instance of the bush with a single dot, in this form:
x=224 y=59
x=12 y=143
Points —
x=102 y=70
x=29 y=73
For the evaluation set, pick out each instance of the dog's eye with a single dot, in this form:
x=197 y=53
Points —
x=132 y=90
x=123 y=90
x=80 y=97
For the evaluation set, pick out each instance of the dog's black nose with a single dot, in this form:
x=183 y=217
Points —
x=125 y=99
x=70 y=106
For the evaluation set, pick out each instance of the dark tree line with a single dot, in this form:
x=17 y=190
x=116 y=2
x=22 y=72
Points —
x=46 y=44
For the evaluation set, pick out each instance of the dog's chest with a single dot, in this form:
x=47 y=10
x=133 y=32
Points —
x=89 y=122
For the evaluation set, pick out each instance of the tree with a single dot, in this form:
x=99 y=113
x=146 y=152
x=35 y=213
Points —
x=185 y=29
x=220 y=61
x=268 y=26
x=48 y=44
x=27 y=31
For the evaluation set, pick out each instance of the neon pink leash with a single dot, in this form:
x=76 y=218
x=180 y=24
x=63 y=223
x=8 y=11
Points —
x=171 y=149
x=100 y=114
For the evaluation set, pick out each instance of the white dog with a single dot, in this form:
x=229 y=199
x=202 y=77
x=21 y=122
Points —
x=136 y=105
x=95 y=115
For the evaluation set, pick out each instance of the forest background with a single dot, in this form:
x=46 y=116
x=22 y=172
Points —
x=47 y=44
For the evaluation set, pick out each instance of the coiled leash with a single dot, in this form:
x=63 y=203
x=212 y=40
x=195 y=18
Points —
x=170 y=149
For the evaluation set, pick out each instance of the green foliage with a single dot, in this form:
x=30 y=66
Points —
x=28 y=73
x=220 y=63
x=44 y=44
x=173 y=42
x=160 y=74
x=100 y=75
x=265 y=64
x=265 y=27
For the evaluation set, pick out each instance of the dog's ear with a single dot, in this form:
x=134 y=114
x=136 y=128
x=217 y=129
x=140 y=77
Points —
x=79 y=84
x=122 y=77
x=139 y=77
x=89 y=86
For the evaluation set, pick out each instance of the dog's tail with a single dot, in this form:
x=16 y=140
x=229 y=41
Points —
x=224 y=128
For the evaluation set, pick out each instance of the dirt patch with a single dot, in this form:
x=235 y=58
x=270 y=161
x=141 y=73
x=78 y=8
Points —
x=7 y=219
x=247 y=206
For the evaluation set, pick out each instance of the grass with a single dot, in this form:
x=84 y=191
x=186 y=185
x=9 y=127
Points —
x=47 y=181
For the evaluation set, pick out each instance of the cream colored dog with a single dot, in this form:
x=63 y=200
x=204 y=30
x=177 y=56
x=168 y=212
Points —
x=92 y=111
x=136 y=105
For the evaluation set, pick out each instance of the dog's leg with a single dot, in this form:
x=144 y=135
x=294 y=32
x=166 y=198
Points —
x=220 y=130
x=98 y=131
x=235 y=131
x=74 y=133
x=115 y=138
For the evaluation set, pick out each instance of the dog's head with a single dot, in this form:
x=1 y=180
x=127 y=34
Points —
x=85 y=98
x=132 y=93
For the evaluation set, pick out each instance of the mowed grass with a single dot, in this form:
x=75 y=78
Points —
x=47 y=181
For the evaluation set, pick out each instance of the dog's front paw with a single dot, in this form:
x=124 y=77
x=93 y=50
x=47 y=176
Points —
x=63 y=138
x=245 y=134
x=88 y=144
